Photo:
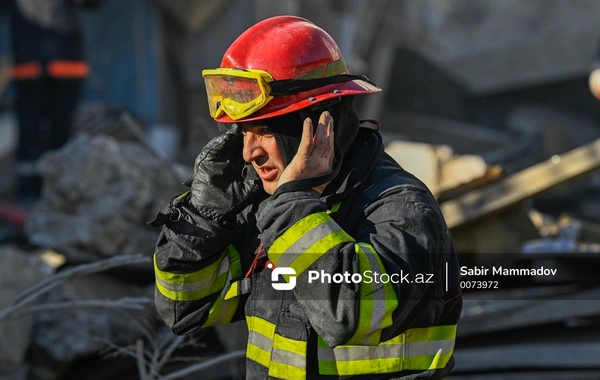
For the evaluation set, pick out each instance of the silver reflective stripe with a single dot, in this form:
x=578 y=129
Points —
x=260 y=341
x=198 y=285
x=430 y=348
x=386 y=351
x=378 y=311
x=361 y=352
x=306 y=241
x=225 y=305
x=287 y=357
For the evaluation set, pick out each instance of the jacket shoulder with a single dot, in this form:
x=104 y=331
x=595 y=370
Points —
x=389 y=177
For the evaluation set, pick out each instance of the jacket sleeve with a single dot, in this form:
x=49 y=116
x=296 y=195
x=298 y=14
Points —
x=400 y=238
x=197 y=271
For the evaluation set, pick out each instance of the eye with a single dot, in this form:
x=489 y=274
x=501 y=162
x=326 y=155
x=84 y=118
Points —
x=265 y=131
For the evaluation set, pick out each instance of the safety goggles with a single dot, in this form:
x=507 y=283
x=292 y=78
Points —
x=241 y=92
x=237 y=92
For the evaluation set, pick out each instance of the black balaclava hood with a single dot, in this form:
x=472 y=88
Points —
x=287 y=129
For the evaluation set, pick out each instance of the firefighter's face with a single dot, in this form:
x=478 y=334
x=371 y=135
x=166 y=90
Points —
x=261 y=149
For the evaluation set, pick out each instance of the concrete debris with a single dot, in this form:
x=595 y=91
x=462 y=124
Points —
x=492 y=46
x=554 y=126
x=69 y=335
x=98 y=194
x=525 y=184
x=437 y=165
x=98 y=119
x=53 y=259
x=464 y=138
x=18 y=271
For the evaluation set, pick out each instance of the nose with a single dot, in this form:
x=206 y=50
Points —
x=252 y=147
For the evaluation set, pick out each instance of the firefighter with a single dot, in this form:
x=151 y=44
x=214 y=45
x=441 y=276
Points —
x=49 y=69
x=299 y=223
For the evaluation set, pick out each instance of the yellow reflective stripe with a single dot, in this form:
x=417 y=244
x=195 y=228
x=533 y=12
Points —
x=188 y=293
x=202 y=283
x=329 y=241
x=334 y=208
x=180 y=197
x=322 y=344
x=385 y=306
x=188 y=278
x=221 y=312
x=290 y=345
x=428 y=334
x=361 y=367
x=260 y=340
x=259 y=348
x=313 y=253
x=235 y=266
x=258 y=355
x=288 y=357
x=261 y=325
x=416 y=349
x=286 y=371
x=376 y=303
x=384 y=351
x=428 y=362
x=233 y=291
x=285 y=357
x=306 y=241
x=295 y=232
x=377 y=300
x=366 y=300
x=303 y=229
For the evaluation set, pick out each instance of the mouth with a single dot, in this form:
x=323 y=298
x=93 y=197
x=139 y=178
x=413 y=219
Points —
x=267 y=173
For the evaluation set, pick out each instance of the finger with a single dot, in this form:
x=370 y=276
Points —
x=331 y=141
x=326 y=143
x=320 y=139
x=330 y=129
x=306 y=142
x=330 y=136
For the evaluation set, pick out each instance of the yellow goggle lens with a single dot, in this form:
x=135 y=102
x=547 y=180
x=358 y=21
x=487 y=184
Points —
x=238 y=93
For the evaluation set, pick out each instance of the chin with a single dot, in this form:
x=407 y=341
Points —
x=269 y=187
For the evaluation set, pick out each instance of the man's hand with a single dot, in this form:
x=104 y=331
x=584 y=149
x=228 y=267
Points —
x=219 y=191
x=315 y=155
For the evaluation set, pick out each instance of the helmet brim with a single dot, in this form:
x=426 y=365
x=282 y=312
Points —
x=283 y=105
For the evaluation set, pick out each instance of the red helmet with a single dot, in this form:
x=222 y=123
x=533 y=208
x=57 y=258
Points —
x=289 y=47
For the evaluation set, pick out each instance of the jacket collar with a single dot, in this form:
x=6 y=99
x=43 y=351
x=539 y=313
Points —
x=363 y=155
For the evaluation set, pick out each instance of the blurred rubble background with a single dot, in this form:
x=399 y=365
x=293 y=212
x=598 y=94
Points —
x=487 y=102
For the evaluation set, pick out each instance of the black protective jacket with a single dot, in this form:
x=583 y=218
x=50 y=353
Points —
x=393 y=316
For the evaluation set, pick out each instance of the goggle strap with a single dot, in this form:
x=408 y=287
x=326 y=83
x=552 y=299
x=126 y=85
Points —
x=294 y=86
